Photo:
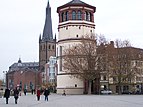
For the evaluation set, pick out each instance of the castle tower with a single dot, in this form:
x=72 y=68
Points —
x=47 y=44
x=76 y=19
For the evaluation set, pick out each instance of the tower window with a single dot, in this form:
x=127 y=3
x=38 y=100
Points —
x=53 y=47
x=88 y=16
x=44 y=47
x=62 y=16
x=73 y=15
x=104 y=77
x=79 y=15
x=49 y=46
x=66 y=15
x=41 y=47
x=77 y=36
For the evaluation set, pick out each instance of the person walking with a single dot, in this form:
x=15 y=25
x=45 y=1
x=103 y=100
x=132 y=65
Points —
x=25 y=91
x=7 y=95
x=16 y=94
x=46 y=94
x=38 y=94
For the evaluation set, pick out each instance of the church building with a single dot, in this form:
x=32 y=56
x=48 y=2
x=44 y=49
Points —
x=47 y=44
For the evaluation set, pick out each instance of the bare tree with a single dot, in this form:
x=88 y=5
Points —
x=122 y=72
x=80 y=60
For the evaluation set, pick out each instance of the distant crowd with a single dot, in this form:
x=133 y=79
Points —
x=17 y=92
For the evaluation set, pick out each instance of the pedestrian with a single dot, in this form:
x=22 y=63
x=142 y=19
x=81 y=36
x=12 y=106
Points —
x=64 y=93
x=7 y=95
x=16 y=95
x=46 y=94
x=25 y=91
x=38 y=94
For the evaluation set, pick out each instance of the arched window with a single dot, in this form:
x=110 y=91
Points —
x=86 y=16
x=49 y=46
x=67 y=16
x=79 y=15
x=53 y=47
x=62 y=16
x=90 y=16
x=73 y=15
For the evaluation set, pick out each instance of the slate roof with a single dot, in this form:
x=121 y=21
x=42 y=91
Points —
x=24 y=66
x=76 y=2
x=47 y=31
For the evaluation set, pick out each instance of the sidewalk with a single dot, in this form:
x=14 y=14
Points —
x=76 y=101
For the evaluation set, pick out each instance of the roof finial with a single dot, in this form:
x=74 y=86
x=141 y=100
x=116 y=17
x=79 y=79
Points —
x=19 y=61
x=48 y=5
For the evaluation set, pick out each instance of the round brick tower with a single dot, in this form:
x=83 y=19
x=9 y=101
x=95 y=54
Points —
x=76 y=19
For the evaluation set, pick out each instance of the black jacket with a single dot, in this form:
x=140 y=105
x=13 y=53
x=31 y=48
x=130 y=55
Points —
x=16 y=93
x=7 y=93
x=46 y=92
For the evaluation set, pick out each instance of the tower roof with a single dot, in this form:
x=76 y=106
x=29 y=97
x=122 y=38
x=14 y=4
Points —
x=76 y=3
x=47 y=31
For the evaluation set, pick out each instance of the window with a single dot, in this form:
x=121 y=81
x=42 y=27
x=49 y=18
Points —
x=62 y=16
x=53 y=47
x=60 y=58
x=104 y=77
x=66 y=16
x=79 y=15
x=90 y=16
x=44 y=47
x=41 y=47
x=73 y=15
x=49 y=46
x=86 y=16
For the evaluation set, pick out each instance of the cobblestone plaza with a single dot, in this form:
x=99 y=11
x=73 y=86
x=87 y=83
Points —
x=76 y=101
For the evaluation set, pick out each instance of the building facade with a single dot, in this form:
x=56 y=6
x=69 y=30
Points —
x=24 y=75
x=51 y=73
x=76 y=19
x=123 y=69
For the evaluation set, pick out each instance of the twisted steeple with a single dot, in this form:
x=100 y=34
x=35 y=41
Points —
x=47 y=31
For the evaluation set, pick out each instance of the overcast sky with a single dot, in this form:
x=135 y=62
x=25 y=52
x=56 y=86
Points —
x=22 y=21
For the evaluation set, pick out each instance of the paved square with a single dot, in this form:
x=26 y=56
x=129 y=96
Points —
x=76 y=101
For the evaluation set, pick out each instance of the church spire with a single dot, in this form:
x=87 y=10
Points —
x=47 y=31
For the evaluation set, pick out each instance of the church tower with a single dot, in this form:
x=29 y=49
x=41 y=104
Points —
x=47 y=44
x=76 y=19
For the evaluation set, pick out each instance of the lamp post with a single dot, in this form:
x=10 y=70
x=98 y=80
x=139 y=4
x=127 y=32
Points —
x=5 y=79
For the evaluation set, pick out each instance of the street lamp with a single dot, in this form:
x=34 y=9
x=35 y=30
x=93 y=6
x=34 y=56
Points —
x=5 y=79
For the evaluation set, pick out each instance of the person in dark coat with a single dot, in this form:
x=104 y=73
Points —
x=25 y=91
x=46 y=94
x=16 y=94
x=7 y=95
x=38 y=94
